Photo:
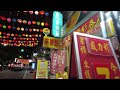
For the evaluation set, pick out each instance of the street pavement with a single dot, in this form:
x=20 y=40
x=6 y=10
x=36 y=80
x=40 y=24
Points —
x=8 y=74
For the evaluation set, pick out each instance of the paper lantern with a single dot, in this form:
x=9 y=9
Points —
x=42 y=12
x=31 y=12
x=26 y=35
x=3 y=17
x=33 y=22
x=1 y=25
x=36 y=35
x=34 y=29
x=24 y=21
x=19 y=20
x=36 y=12
x=22 y=29
x=9 y=19
x=42 y=24
x=40 y=35
x=14 y=20
x=26 y=29
x=8 y=34
x=38 y=23
x=18 y=28
x=41 y=30
x=29 y=22
x=0 y=33
x=0 y=36
x=4 y=27
x=37 y=30
x=46 y=24
x=9 y=27
x=16 y=35
x=12 y=35
x=46 y=14
x=13 y=27
x=30 y=30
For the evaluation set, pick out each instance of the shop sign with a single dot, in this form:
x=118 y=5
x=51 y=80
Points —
x=57 y=24
x=95 y=57
x=42 y=69
x=91 y=26
x=51 y=42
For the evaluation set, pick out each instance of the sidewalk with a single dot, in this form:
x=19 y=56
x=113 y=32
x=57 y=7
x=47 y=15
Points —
x=29 y=75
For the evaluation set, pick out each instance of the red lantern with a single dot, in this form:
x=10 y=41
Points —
x=46 y=24
x=41 y=30
x=42 y=12
x=33 y=22
x=9 y=27
x=1 y=25
x=16 y=35
x=3 y=17
x=30 y=30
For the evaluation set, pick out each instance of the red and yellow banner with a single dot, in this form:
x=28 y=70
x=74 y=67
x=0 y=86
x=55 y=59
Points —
x=96 y=58
x=42 y=69
x=51 y=42
x=91 y=26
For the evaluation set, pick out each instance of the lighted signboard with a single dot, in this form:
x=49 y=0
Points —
x=57 y=24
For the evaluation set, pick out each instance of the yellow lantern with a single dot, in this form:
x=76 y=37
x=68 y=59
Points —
x=42 y=24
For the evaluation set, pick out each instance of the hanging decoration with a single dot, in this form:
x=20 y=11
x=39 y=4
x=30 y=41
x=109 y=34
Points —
x=9 y=19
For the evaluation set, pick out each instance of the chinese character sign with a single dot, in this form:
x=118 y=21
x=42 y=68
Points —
x=96 y=58
x=42 y=69
x=51 y=42
x=57 y=24
x=91 y=26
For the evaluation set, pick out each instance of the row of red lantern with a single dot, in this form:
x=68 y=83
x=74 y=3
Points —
x=13 y=41
x=20 y=35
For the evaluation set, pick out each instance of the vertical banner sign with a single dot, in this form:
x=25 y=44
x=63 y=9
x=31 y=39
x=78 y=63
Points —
x=54 y=59
x=91 y=26
x=95 y=57
x=61 y=61
x=57 y=24
x=42 y=69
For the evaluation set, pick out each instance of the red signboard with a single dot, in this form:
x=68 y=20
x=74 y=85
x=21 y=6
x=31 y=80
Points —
x=95 y=57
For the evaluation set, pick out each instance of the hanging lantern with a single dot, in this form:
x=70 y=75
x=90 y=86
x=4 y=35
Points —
x=20 y=35
x=12 y=35
x=30 y=30
x=29 y=22
x=19 y=20
x=42 y=24
x=46 y=14
x=0 y=33
x=14 y=20
x=41 y=30
x=18 y=28
x=14 y=38
x=8 y=34
x=40 y=35
x=22 y=29
x=1 y=25
x=36 y=12
x=34 y=29
x=31 y=12
x=23 y=35
x=9 y=19
x=42 y=12
x=33 y=39
x=16 y=35
x=26 y=29
x=38 y=23
x=37 y=30
x=0 y=36
x=46 y=24
x=13 y=27
x=24 y=21
x=33 y=22
x=26 y=35
x=9 y=27
x=4 y=27
x=3 y=17
x=36 y=35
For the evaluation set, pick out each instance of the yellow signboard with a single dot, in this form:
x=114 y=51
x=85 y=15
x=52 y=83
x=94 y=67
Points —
x=51 y=42
x=72 y=21
x=42 y=69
